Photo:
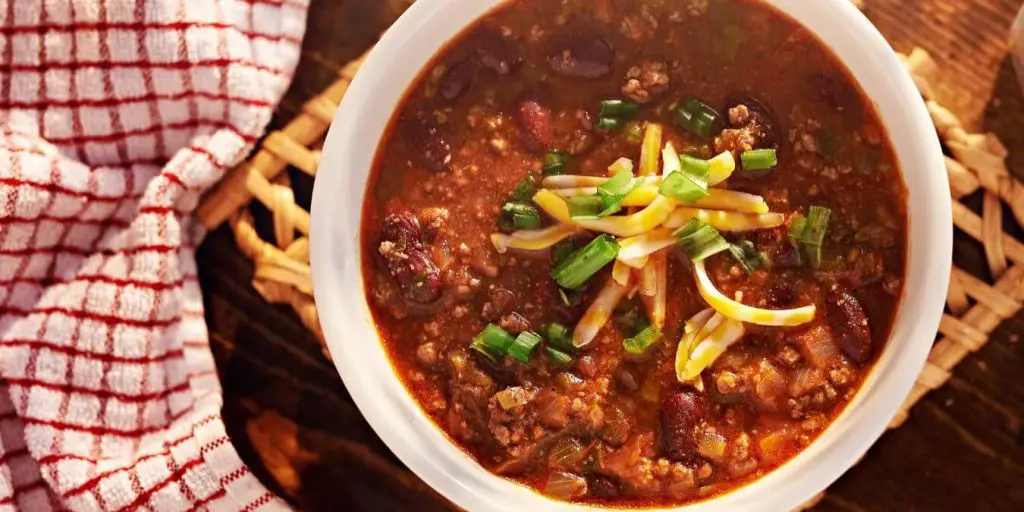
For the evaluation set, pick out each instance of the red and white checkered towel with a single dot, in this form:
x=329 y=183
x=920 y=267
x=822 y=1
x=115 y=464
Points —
x=115 y=115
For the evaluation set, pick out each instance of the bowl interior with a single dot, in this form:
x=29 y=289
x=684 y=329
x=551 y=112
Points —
x=355 y=347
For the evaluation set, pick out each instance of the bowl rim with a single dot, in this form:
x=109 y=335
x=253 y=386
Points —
x=356 y=350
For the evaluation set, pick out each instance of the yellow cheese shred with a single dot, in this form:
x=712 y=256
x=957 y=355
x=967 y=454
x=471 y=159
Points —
x=744 y=313
x=533 y=239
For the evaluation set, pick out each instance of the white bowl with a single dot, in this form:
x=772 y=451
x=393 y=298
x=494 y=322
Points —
x=363 y=364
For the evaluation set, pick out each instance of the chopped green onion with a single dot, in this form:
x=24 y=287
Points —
x=759 y=159
x=689 y=185
x=554 y=162
x=585 y=207
x=638 y=344
x=558 y=336
x=808 y=233
x=817 y=224
x=493 y=342
x=620 y=184
x=618 y=108
x=562 y=250
x=697 y=117
x=797 y=226
x=584 y=263
x=524 y=346
x=524 y=216
x=559 y=357
x=570 y=298
x=621 y=165
x=748 y=256
x=700 y=240
x=607 y=124
x=524 y=190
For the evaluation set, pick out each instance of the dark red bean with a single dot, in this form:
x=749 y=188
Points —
x=435 y=151
x=535 y=124
x=602 y=487
x=582 y=56
x=407 y=259
x=681 y=413
x=832 y=91
x=456 y=81
x=498 y=53
x=850 y=325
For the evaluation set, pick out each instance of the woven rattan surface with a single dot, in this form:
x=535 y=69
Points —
x=988 y=209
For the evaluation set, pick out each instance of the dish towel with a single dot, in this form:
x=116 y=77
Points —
x=115 y=115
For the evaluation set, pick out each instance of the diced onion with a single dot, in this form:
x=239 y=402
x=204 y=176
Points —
x=724 y=221
x=744 y=313
x=532 y=240
x=598 y=313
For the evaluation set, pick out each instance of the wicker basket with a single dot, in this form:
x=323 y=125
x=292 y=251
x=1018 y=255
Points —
x=974 y=307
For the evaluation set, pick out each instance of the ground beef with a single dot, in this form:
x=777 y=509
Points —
x=646 y=80
x=744 y=134
x=637 y=471
x=514 y=323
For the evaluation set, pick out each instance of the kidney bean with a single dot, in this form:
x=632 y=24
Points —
x=498 y=53
x=435 y=151
x=681 y=412
x=582 y=56
x=456 y=81
x=407 y=258
x=850 y=325
x=602 y=487
x=535 y=124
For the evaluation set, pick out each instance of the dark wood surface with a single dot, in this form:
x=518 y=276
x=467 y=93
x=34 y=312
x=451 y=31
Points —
x=294 y=423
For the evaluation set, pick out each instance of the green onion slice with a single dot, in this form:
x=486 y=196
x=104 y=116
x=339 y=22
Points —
x=797 y=226
x=759 y=159
x=808 y=232
x=584 y=263
x=524 y=190
x=493 y=342
x=697 y=117
x=554 y=162
x=690 y=183
x=585 y=207
x=638 y=344
x=817 y=224
x=570 y=298
x=562 y=250
x=607 y=124
x=618 y=108
x=558 y=356
x=700 y=240
x=524 y=216
x=559 y=336
x=524 y=345
x=748 y=256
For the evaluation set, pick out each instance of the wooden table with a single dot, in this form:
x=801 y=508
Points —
x=295 y=425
